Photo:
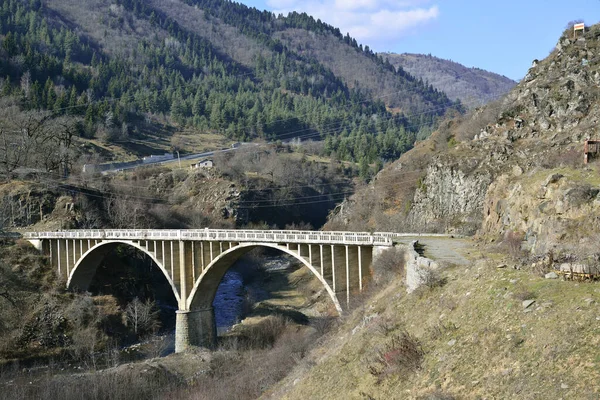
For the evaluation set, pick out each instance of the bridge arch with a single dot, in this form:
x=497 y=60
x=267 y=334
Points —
x=205 y=287
x=84 y=270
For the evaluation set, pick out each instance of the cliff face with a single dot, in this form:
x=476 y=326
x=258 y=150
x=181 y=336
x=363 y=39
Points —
x=22 y=204
x=167 y=200
x=554 y=212
x=449 y=199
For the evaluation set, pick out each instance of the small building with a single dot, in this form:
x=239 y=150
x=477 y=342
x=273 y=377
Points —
x=205 y=164
x=590 y=150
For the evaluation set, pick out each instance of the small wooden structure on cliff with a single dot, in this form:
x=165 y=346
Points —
x=590 y=150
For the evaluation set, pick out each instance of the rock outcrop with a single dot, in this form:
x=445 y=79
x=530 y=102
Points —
x=450 y=191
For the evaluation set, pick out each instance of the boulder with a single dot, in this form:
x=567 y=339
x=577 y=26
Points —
x=528 y=303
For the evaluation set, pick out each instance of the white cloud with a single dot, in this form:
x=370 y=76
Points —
x=355 y=4
x=371 y=22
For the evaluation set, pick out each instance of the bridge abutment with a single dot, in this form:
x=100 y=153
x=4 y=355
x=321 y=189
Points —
x=195 y=328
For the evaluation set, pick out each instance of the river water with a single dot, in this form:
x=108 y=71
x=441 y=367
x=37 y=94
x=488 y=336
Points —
x=240 y=288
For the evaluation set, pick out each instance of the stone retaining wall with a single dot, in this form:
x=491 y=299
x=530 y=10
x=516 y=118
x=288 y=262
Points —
x=417 y=267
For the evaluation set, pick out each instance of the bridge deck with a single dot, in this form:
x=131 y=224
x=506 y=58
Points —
x=316 y=237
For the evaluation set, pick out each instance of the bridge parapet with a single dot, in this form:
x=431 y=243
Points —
x=216 y=235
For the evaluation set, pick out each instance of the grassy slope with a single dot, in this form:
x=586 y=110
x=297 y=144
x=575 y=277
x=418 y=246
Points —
x=500 y=350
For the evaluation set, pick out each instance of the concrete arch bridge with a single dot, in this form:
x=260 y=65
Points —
x=194 y=262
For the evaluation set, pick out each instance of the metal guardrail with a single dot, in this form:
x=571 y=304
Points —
x=394 y=235
x=275 y=236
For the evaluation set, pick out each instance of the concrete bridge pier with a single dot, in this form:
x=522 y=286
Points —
x=195 y=328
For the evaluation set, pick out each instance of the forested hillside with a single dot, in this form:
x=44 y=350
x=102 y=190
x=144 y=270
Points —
x=112 y=66
x=472 y=86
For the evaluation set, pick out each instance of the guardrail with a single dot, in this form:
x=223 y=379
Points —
x=393 y=235
x=275 y=236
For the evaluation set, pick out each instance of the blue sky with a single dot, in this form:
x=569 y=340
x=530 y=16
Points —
x=499 y=36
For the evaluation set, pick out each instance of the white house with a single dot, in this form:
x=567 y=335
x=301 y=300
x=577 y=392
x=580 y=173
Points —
x=203 y=164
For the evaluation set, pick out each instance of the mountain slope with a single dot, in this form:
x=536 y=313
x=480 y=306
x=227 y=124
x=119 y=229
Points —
x=513 y=169
x=471 y=338
x=213 y=66
x=399 y=91
x=472 y=86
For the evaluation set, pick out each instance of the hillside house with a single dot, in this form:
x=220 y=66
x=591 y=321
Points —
x=204 y=164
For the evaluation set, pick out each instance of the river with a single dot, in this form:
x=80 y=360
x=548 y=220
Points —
x=241 y=287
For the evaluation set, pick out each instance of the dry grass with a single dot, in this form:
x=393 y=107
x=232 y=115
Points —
x=389 y=265
x=477 y=342
x=513 y=244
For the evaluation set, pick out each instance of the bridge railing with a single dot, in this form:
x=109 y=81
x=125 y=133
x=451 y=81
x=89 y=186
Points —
x=277 y=236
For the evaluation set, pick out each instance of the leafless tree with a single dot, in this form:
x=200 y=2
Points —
x=142 y=316
x=9 y=284
x=26 y=83
x=35 y=139
x=126 y=212
x=90 y=216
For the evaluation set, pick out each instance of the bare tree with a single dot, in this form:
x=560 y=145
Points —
x=90 y=217
x=126 y=212
x=26 y=83
x=35 y=139
x=9 y=284
x=142 y=316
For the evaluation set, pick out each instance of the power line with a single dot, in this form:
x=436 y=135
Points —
x=347 y=108
x=253 y=204
x=306 y=200
x=279 y=188
x=384 y=119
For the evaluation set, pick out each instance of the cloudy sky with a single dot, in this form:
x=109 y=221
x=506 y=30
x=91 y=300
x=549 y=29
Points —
x=374 y=22
x=500 y=36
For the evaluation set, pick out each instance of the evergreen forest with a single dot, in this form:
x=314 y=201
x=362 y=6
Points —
x=53 y=62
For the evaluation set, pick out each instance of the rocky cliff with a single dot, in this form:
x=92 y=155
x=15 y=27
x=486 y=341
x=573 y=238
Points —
x=514 y=166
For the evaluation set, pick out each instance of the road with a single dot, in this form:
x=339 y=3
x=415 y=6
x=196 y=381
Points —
x=184 y=158
x=447 y=250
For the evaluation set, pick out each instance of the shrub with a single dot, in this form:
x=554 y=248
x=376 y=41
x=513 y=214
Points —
x=322 y=325
x=390 y=263
x=261 y=335
x=402 y=355
x=452 y=142
x=523 y=294
x=512 y=242
x=431 y=278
